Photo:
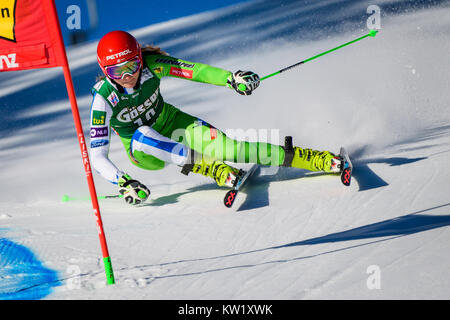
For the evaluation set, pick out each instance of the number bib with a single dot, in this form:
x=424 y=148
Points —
x=130 y=111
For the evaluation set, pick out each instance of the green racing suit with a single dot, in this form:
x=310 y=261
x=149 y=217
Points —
x=154 y=132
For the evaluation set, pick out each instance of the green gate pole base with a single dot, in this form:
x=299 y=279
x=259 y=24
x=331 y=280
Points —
x=109 y=270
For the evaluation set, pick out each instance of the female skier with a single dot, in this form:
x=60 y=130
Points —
x=154 y=133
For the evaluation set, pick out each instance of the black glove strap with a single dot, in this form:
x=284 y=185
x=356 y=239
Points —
x=128 y=182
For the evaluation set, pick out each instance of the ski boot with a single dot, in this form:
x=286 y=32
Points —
x=309 y=159
x=223 y=174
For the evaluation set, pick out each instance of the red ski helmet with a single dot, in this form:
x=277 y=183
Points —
x=116 y=47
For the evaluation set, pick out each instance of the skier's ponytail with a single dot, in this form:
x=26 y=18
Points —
x=152 y=50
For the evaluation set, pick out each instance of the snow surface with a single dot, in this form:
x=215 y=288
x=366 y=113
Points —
x=293 y=235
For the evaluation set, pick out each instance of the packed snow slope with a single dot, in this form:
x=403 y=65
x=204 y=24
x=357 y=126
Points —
x=293 y=235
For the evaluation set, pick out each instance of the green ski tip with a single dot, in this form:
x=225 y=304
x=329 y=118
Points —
x=65 y=198
x=373 y=33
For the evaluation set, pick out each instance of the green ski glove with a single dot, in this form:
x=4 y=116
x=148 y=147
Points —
x=244 y=82
x=132 y=190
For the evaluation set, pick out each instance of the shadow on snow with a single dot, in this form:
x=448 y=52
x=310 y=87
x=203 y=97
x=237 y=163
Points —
x=392 y=228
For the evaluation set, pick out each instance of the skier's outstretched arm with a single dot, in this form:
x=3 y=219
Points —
x=244 y=82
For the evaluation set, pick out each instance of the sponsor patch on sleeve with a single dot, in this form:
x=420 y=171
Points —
x=99 y=143
x=98 y=118
x=99 y=132
x=182 y=73
x=158 y=70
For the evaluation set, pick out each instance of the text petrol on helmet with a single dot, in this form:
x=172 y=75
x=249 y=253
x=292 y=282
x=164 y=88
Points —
x=119 y=54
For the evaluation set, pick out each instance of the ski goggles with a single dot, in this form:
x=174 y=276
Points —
x=118 y=71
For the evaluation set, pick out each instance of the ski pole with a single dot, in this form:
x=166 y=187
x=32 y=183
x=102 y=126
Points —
x=372 y=33
x=66 y=198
